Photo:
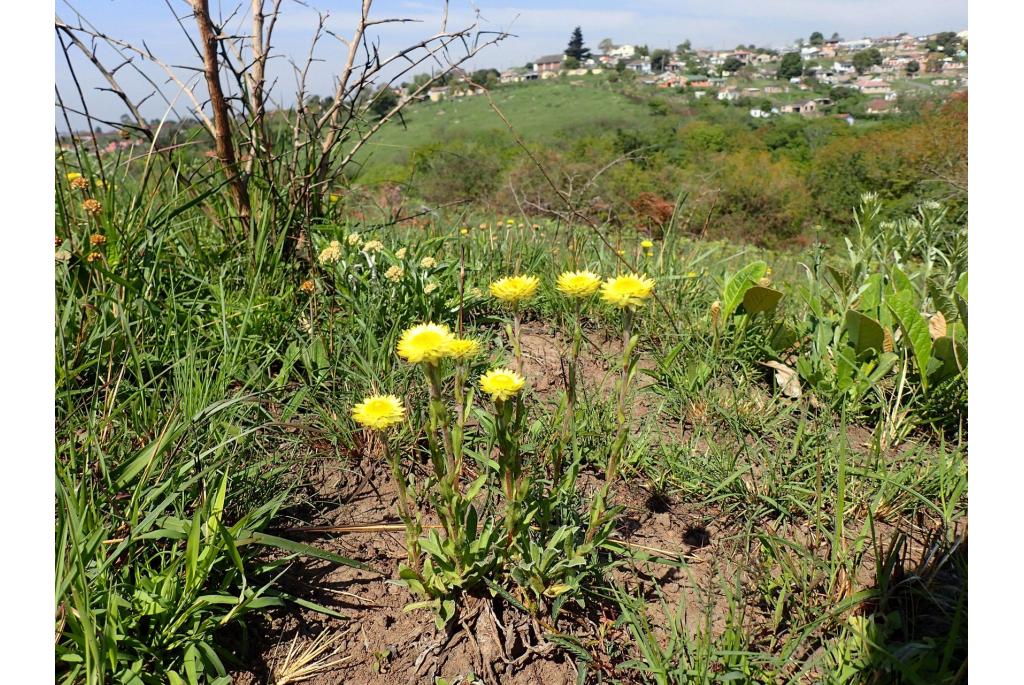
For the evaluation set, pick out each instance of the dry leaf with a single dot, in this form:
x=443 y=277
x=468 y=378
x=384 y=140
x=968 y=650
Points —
x=937 y=326
x=786 y=377
x=887 y=343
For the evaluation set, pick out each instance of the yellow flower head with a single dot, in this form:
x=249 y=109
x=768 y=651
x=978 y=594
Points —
x=97 y=239
x=578 y=283
x=80 y=183
x=353 y=239
x=400 y=254
x=620 y=252
x=692 y=274
x=510 y=222
x=334 y=198
x=72 y=175
x=394 y=274
x=378 y=412
x=627 y=291
x=428 y=263
x=92 y=206
x=93 y=256
x=429 y=288
x=483 y=225
x=308 y=286
x=373 y=246
x=462 y=348
x=646 y=244
x=427 y=342
x=463 y=231
x=331 y=253
x=515 y=289
x=501 y=384
x=649 y=253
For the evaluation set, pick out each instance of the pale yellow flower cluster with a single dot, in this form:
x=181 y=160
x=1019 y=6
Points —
x=428 y=263
x=394 y=274
x=331 y=253
x=371 y=246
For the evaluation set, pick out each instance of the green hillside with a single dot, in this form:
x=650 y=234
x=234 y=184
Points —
x=542 y=113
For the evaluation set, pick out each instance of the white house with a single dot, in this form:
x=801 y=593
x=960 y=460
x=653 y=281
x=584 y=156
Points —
x=622 y=51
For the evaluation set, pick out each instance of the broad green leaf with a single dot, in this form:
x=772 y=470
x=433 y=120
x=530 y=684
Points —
x=915 y=328
x=760 y=299
x=961 y=285
x=865 y=333
x=737 y=285
x=952 y=357
x=870 y=296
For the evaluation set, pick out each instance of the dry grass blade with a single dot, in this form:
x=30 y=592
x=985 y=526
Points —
x=315 y=657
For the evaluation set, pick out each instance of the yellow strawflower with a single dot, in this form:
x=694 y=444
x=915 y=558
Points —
x=501 y=384
x=515 y=289
x=428 y=263
x=646 y=244
x=334 y=198
x=510 y=222
x=373 y=246
x=72 y=175
x=379 y=412
x=463 y=231
x=578 y=283
x=400 y=254
x=427 y=342
x=353 y=239
x=394 y=274
x=650 y=253
x=627 y=291
x=461 y=348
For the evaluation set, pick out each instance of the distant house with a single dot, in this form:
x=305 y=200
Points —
x=742 y=55
x=622 y=52
x=758 y=113
x=729 y=94
x=548 y=63
x=940 y=82
x=807 y=108
x=775 y=89
x=438 y=93
x=873 y=87
x=640 y=66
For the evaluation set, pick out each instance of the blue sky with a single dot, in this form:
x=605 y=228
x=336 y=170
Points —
x=540 y=27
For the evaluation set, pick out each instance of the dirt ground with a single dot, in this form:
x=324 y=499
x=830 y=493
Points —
x=380 y=643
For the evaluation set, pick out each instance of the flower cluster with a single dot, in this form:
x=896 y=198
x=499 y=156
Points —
x=91 y=206
x=371 y=246
x=331 y=253
x=428 y=263
x=394 y=273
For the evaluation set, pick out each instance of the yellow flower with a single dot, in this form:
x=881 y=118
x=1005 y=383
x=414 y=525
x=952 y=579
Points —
x=394 y=274
x=646 y=244
x=627 y=291
x=400 y=254
x=427 y=342
x=649 y=253
x=501 y=384
x=510 y=222
x=620 y=252
x=379 y=412
x=308 y=286
x=373 y=246
x=92 y=206
x=515 y=289
x=353 y=239
x=462 y=348
x=72 y=175
x=768 y=271
x=334 y=198
x=463 y=231
x=93 y=256
x=483 y=225
x=97 y=239
x=692 y=274
x=428 y=263
x=80 y=183
x=331 y=253
x=578 y=283
x=429 y=287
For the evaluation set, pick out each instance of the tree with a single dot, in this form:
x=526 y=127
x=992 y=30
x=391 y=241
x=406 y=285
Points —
x=732 y=64
x=576 y=48
x=606 y=45
x=817 y=38
x=642 y=51
x=865 y=59
x=570 y=63
x=913 y=66
x=383 y=102
x=835 y=36
x=683 y=47
x=620 y=66
x=660 y=59
x=791 y=66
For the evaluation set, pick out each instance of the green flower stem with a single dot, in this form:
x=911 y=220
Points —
x=569 y=422
x=506 y=414
x=614 y=456
x=412 y=527
x=517 y=349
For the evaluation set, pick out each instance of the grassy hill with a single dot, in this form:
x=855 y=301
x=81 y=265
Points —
x=541 y=113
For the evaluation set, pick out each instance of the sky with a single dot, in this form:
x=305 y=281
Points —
x=538 y=27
